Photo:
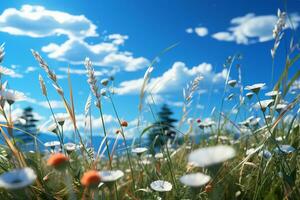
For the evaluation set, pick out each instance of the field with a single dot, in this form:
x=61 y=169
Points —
x=217 y=158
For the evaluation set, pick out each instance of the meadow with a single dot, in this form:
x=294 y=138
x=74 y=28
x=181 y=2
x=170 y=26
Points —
x=257 y=158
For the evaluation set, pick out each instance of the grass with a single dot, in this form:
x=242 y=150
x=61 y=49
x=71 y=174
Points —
x=261 y=168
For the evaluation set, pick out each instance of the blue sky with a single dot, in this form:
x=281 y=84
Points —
x=122 y=37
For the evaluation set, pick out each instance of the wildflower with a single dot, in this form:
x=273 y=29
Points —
x=273 y=94
x=208 y=156
x=208 y=188
x=232 y=83
x=103 y=92
x=90 y=179
x=190 y=120
x=61 y=118
x=159 y=156
x=266 y=154
x=284 y=149
x=161 y=186
x=230 y=96
x=58 y=161
x=17 y=178
x=254 y=121
x=139 y=150
x=249 y=95
x=195 y=180
x=70 y=147
x=279 y=139
x=124 y=123
x=118 y=131
x=11 y=96
x=104 y=82
x=53 y=128
x=198 y=121
x=255 y=88
x=111 y=176
x=263 y=105
x=52 y=144
x=280 y=107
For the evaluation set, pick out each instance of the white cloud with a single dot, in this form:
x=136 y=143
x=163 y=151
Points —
x=189 y=30
x=30 y=69
x=201 y=31
x=251 y=28
x=12 y=73
x=17 y=113
x=174 y=79
x=118 y=39
x=54 y=104
x=81 y=71
x=159 y=99
x=223 y=36
x=37 y=21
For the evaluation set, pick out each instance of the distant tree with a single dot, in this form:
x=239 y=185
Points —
x=163 y=128
x=27 y=123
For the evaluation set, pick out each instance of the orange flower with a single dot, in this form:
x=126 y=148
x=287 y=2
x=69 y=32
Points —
x=124 y=123
x=57 y=160
x=208 y=188
x=90 y=178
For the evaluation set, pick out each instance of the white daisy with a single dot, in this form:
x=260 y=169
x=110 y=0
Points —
x=12 y=95
x=70 y=147
x=232 y=83
x=17 y=179
x=195 y=180
x=139 y=150
x=108 y=176
x=263 y=105
x=249 y=95
x=255 y=121
x=104 y=82
x=208 y=156
x=61 y=118
x=52 y=144
x=159 y=156
x=161 y=186
x=52 y=128
x=255 y=88
x=280 y=107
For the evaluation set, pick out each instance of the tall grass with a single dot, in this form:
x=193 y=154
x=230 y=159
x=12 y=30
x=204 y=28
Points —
x=262 y=163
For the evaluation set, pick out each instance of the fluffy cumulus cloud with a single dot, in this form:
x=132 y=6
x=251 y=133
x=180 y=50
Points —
x=37 y=21
x=174 y=79
x=251 y=28
x=201 y=31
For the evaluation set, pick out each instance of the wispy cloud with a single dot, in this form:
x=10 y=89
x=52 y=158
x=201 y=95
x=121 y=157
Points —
x=174 y=79
x=250 y=28
x=37 y=21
